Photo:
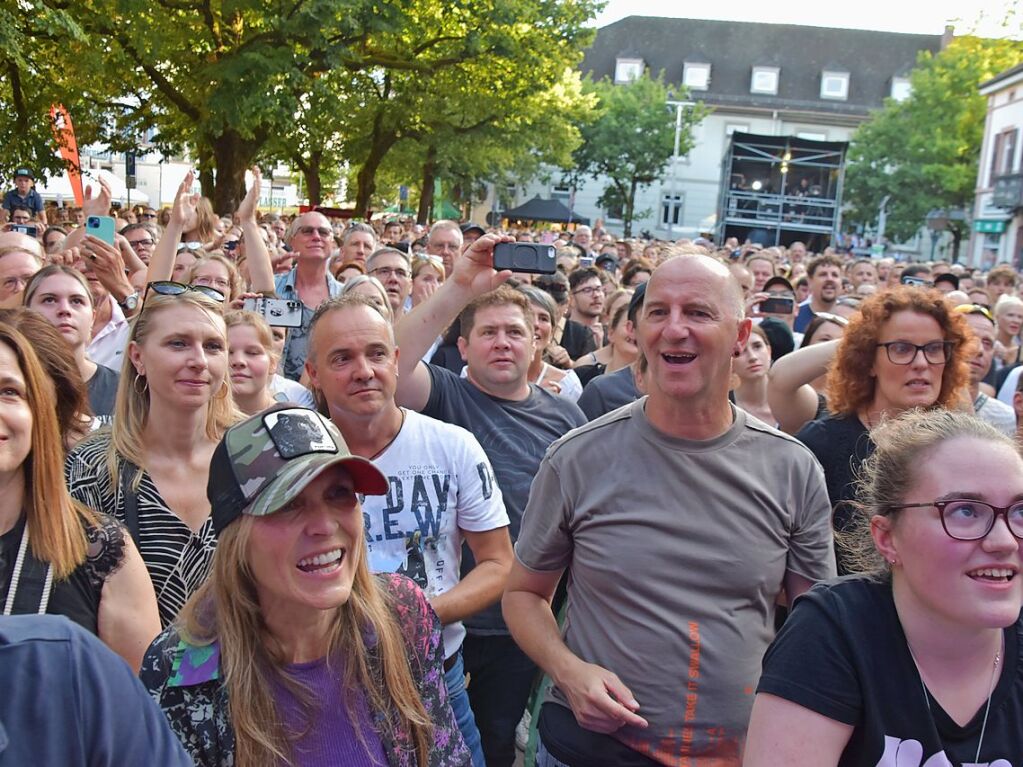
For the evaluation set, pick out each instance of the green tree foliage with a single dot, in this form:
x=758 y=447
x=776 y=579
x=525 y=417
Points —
x=631 y=140
x=35 y=41
x=924 y=151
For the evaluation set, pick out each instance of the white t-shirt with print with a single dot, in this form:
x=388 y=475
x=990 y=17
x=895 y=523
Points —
x=439 y=483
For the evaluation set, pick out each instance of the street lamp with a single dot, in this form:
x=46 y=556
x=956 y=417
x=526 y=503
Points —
x=674 y=158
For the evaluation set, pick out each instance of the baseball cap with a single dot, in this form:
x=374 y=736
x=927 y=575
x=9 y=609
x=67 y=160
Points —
x=607 y=258
x=947 y=277
x=471 y=226
x=267 y=460
x=636 y=302
x=779 y=280
x=24 y=173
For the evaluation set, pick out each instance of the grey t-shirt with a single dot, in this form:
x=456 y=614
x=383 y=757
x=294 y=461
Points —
x=514 y=434
x=677 y=550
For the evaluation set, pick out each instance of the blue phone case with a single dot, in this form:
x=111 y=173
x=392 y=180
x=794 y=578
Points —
x=101 y=227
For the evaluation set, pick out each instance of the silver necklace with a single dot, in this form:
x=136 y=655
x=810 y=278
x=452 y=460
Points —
x=987 y=706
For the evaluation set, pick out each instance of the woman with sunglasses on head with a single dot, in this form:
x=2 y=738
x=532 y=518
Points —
x=907 y=348
x=61 y=295
x=56 y=556
x=917 y=661
x=292 y=652
x=173 y=405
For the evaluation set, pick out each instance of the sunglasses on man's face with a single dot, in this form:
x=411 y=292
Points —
x=169 y=288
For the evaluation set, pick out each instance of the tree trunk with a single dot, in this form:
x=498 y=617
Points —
x=380 y=144
x=233 y=155
x=630 y=208
x=426 y=193
x=311 y=172
x=205 y=163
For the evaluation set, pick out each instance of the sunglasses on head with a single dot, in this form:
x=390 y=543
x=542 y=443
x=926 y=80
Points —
x=189 y=246
x=975 y=309
x=169 y=288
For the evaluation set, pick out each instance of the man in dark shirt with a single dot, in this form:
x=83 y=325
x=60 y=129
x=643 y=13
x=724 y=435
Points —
x=514 y=421
x=69 y=701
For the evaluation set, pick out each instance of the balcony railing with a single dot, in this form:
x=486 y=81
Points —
x=1008 y=191
x=788 y=211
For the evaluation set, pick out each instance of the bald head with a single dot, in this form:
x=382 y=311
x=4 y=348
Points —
x=704 y=268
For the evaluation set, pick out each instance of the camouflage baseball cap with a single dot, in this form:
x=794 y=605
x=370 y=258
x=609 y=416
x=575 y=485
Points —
x=265 y=461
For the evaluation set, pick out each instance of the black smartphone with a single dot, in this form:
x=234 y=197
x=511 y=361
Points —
x=30 y=229
x=777 y=305
x=528 y=257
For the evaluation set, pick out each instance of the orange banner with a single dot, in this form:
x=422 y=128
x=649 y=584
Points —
x=64 y=134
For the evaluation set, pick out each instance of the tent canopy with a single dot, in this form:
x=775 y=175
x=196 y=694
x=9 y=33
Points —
x=60 y=187
x=539 y=209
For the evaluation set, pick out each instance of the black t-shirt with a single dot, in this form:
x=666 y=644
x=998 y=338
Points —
x=103 y=391
x=515 y=434
x=577 y=339
x=841 y=443
x=842 y=654
x=76 y=597
x=608 y=392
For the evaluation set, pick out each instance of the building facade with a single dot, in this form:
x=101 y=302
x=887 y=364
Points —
x=768 y=79
x=997 y=231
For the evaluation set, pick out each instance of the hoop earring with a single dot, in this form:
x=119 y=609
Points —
x=145 y=384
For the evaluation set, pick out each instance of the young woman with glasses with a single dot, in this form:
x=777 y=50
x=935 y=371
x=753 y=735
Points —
x=173 y=405
x=917 y=660
x=905 y=349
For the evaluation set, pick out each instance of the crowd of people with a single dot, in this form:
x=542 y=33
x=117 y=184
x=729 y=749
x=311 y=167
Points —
x=312 y=492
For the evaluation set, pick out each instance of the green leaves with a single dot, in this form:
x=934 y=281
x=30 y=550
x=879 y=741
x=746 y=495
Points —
x=924 y=151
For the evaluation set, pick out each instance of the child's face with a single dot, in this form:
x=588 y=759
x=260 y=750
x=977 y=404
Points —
x=23 y=183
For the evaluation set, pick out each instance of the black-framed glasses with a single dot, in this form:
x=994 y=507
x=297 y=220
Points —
x=903 y=352
x=146 y=243
x=969 y=520
x=590 y=291
x=170 y=288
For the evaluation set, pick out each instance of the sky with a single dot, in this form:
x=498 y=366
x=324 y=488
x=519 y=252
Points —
x=983 y=17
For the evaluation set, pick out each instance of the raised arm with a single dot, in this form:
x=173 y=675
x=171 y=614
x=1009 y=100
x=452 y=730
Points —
x=183 y=213
x=91 y=206
x=472 y=276
x=261 y=273
x=793 y=401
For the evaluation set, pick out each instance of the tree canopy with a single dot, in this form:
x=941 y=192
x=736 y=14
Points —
x=630 y=139
x=923 y=152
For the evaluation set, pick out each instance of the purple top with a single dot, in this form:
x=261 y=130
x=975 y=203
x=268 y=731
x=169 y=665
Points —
x=330 y=736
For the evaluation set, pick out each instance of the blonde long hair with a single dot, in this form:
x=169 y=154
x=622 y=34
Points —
x=131 y=408
x=56 y=532
x=226 y=609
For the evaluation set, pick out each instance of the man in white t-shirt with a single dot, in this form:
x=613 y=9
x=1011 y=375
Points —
x=442 y=489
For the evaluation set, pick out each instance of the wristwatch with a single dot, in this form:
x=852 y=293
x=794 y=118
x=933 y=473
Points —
x=130 y=302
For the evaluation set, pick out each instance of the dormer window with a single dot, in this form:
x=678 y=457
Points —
x=764 y=81
x=901 y=88
x=628 y=69
x=696 y=76
x=834 y=85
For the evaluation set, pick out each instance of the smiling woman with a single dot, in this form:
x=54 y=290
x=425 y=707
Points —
x=918 y=660
x=173 y=404
x=292 y=648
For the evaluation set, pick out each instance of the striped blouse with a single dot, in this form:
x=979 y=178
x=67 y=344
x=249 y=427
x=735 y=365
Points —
x=178 y=560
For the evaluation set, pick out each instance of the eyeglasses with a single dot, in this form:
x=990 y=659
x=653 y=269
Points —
x=146 y=243
x=975 y=309
x=903 y=352
x=967 y=520
x=323 y=231
x=590 y=291
x=169 y=288
x=388 y=271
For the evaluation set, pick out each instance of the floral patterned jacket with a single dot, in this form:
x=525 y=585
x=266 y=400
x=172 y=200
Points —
x=185 y=680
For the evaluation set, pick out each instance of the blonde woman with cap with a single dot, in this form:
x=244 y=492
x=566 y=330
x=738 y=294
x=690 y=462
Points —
x=292 y=652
